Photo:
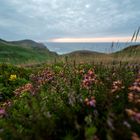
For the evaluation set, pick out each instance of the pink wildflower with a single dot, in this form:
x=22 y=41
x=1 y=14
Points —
x=2 y=112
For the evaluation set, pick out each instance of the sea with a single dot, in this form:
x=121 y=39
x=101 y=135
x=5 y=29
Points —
x=103 y=47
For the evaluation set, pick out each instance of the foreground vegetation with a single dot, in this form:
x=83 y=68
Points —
x=69 y=101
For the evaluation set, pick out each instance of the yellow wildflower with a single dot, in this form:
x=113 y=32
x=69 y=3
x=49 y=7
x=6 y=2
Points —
x=13 y=77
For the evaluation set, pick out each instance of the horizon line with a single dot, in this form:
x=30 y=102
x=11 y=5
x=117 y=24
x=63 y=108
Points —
x=91 y=39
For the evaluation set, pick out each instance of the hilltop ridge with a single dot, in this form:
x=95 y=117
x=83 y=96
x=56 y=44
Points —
x=24 y=51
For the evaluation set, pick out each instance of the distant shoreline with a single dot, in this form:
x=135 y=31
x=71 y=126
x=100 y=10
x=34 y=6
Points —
x=101 y=47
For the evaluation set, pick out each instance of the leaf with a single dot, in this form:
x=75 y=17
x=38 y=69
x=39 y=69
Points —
x=89 y=132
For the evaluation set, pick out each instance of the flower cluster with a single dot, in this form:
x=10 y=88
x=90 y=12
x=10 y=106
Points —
x=81 y=71
x=3 y=107
x=42 y=77
x=90 y=101
x=26 y=88
x=6 y=104
x=116 y=86
x=134 y=114
x=134 y=97
x=2 y=112
x=135 y=136
x=37 y=81
x=13 y=77
x=89 y=79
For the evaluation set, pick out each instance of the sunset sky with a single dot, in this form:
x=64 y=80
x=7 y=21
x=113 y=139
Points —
x=69 y=20
x=99 y=39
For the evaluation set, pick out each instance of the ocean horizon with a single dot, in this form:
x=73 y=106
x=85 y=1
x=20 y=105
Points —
x=103 y=47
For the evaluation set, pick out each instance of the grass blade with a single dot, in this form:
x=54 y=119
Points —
x=133 y=36
x=137 y=34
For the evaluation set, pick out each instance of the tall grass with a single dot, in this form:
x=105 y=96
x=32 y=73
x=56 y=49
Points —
x=135 y=35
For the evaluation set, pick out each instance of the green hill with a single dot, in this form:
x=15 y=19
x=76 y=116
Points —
x=130 y=50
x=129 y=54
x=24 y=51
x=85 y=56
x=133 y=51
x=83 y=53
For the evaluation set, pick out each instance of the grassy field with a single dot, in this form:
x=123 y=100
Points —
x=129 y=55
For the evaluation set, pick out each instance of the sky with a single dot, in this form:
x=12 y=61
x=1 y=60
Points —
x=69 y=20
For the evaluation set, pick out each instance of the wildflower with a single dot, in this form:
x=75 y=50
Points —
x=135 y=136
x=130 y=97
x=137 y=117
x=133 y=114
x=2 y=112
x=6 y=104
x=134 y=95
x=81 y=71
x=90 y=72
x=89 y=79
x=25 y=88
x=86 y=100
x=13 y=77
x=38 y=80
x=90 y=101
x=116 y=86
x=134 y=88
x=130 y=112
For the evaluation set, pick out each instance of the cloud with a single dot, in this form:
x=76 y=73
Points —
x=46 y=19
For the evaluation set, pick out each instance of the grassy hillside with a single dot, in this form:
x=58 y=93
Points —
x=84 y=56
x=84 y=53
x=25 y=51
x=130 y=51
x=130 y=54
x=133 y=50
x=28 y=51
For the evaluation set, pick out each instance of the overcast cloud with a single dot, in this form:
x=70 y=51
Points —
x=47 y=19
